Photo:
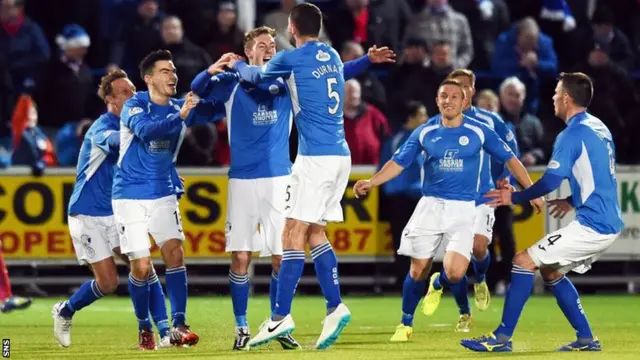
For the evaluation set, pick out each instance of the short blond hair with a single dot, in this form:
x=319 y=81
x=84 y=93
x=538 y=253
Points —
x=489 y=95
x=106 y=87
x=463 y=73
x=250 y=36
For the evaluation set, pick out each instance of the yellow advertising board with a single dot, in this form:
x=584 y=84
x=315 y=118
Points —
x=33 y=221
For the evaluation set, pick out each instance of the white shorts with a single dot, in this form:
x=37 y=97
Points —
x=318 y=184
x=136 y=219
x=574 y=247
x=94 y=237
x=435 y=220
x=483 y=224
x=251 y=202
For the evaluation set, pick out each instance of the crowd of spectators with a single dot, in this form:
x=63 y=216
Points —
x=53 y=51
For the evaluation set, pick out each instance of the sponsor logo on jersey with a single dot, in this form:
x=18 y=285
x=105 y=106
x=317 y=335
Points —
x=323 y=56
x=135 y=110
x=450 y=162
x=159 y=145
x=264 y=116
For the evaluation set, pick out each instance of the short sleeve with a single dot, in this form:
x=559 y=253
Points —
x=407 y=153
x=565 y=152
x=495 y=146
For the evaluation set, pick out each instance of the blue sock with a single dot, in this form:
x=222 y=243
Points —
x=139 y=291
x=176 y=279
x=412 y=292
x=239 y=285
x=569 y=301
x=290 y=273
x=442 y=281
x=459 y=291
x=158 y=305
x=326 y=265
x=517 y=295
x=83 y=297
x=480 y=267
x=273 y=290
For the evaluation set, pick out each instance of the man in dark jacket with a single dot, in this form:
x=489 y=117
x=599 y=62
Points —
x=23 y=46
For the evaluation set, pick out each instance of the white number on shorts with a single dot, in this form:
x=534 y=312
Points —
x=333 y=95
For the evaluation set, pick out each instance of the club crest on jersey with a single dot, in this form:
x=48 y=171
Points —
x=274 y=89
x=176 y=107
x=464 y=141
x=553 y=165
x=510 y=136
x=450 y=162
x=264 y=116
x=135 y=110
x=323 y=56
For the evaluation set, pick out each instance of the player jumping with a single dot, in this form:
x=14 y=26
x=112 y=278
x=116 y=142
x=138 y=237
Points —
x=484 y=217
x=144 y=201
x=584 y=153
x=260 y=165
x=314 y=74
x=91 y=223
x=454 y=148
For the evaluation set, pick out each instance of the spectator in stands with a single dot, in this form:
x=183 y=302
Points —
x=602 y=42
x=438 y=22
x=524 y=51
x=66 y=91
x=31 y=147
x=196 y=16
x=403 y=193
x=373 y=91
x=279 y=20
x=365 y=127
x=488 y=100
x=188 y=57
x=416 y=77
x=198 y=145
x=487 y=18
x=23 y=48
x=225 y=35
x=69 y=141
x=136 y=38
x=368 y=22
x=528 y=128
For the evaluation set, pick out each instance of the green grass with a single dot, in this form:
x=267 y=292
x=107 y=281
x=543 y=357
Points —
x=107 y=330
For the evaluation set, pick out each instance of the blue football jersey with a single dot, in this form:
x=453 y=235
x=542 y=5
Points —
x=259 y=121
x=99 y=152
x=314 y=74
x=150 y=138
x=584 y=153
x=453 y=157
x=487 y=175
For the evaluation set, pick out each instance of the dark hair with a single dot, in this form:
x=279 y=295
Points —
x=603 y=16
x=106 y=88
x=307 y=18
x=253 y=34
x=411 y=108
x=449 y=81
x=149 y=61
x=463 y=73
x=579 y=87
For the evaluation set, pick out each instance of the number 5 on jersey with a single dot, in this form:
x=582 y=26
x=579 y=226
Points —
x=333 y=95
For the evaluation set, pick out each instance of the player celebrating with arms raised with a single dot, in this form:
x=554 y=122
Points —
x=454 y=149
x=91 y=223
x=144 y=202
x=584 y=153
x=314 y=74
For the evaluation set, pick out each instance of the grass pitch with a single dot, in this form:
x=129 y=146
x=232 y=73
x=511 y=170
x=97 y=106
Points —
x=107 y=330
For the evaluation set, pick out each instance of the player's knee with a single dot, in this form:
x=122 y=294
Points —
x=276 y=262
x=109 y=284
x=141 y=268
x=419 y=269
x=240 y=261
x=523 y=260
x=480 y=246
x=550 y=274
x=296 y=236
x=455 y=273
x=173 y=253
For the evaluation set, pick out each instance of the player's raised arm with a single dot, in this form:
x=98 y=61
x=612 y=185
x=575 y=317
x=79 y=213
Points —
x=213 y=83
x=136 y=118
x=278 y=66
x=375 y=55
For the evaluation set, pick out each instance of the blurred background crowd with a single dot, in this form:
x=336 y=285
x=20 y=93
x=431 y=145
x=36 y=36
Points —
x=52 y=53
